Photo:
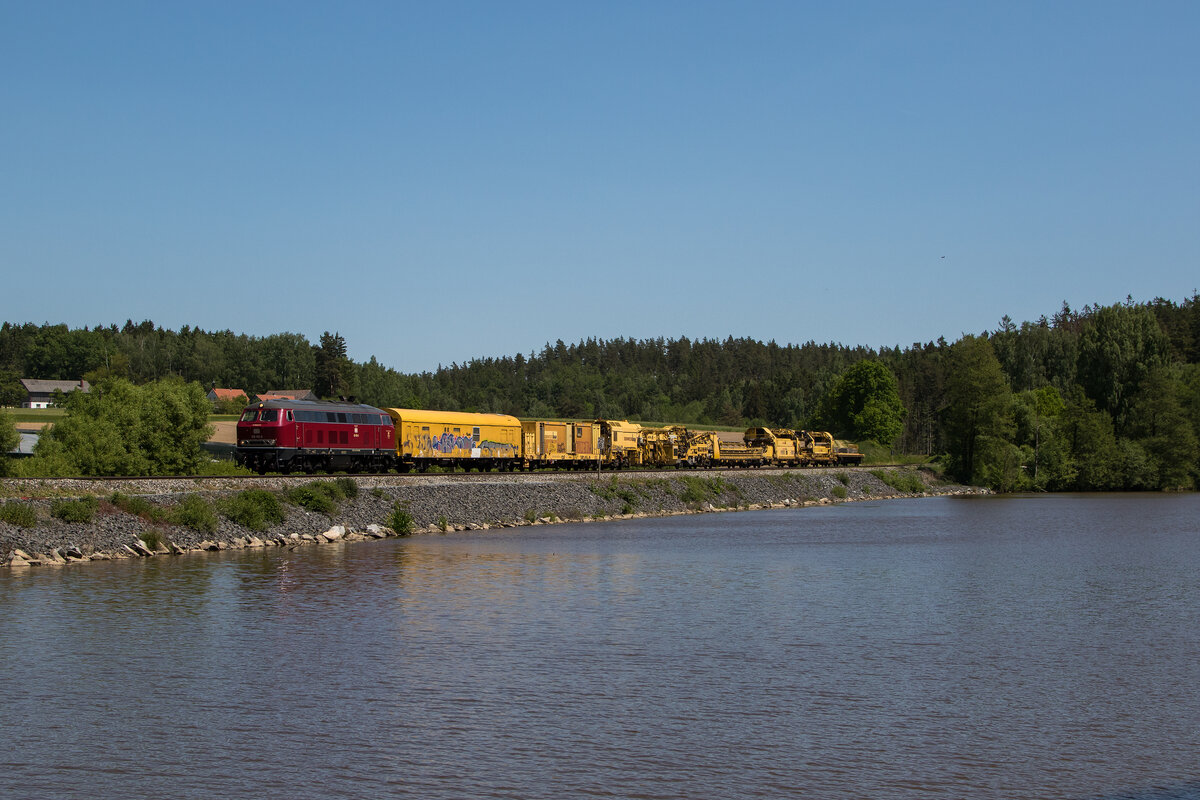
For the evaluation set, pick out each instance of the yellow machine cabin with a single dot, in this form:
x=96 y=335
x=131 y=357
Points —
x=620 y=442
x=817 y=448
x=780 y=443
x=451 y=438
x=663 y=447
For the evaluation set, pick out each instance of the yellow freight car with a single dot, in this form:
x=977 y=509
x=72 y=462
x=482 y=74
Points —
x=663 y=447
x=620 y=443
x=780 y=443
x=707 y=449
x=817 y=448
x=455 y=439
x=567 y=445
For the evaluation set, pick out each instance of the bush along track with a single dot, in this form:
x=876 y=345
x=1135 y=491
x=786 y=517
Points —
x=72 y=521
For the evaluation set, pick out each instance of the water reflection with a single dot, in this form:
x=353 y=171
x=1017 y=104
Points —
x=1003 y=647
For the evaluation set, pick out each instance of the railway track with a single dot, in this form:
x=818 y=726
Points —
x=432 y=475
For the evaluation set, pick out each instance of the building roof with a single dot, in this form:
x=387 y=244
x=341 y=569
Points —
x=35 y=386
x=287 y=394
x=226 y=394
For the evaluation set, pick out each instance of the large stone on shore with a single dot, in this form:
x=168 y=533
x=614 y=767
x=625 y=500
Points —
x=334 y=533
x=18 y=561
x=139 y=548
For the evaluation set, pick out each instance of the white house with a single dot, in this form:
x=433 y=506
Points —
x=40 y=394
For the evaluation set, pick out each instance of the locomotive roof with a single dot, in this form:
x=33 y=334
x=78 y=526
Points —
x=320 y=405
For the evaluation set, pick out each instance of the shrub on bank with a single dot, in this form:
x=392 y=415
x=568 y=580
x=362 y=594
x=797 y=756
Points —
x=256 y=509
x=901 y=481
x=81 y=510
x=320 y=496
x=194 y=512
x=18 y=514
x=698 y=490
x=153 y=539
x=137 y=506
x=400 y=520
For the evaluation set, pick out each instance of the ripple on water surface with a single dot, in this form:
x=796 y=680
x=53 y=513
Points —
x=993 y=647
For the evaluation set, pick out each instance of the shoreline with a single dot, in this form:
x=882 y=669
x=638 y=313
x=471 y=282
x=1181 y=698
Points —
x=451 y=502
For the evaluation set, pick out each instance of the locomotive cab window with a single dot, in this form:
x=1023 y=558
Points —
x=289 y=416
x=250 y=415
x=269 y=415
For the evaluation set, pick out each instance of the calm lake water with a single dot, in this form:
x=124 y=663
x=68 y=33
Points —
x=1016 y=647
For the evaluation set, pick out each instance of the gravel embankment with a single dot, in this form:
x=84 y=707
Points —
x=457 y=502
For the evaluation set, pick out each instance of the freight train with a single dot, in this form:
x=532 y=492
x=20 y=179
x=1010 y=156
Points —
x=309 y=436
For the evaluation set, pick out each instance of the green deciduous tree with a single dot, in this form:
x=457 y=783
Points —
x=9 y=439
x=1119 y=347
x=977 y=410
x=864 y=403
x=1094 y=463
x=122 y=429
x=1037 y=416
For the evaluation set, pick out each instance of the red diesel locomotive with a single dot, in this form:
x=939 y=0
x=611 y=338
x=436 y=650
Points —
x=310 y=435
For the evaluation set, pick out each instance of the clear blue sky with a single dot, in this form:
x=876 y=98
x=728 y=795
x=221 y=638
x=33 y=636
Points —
x=443 y=181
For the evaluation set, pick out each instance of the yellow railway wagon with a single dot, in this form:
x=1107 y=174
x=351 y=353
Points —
x=706 y=449
x=846 y=453
x=620 y=442
x=661 y=447
x=452 y=438
x=780 y=441
x=817 y=447
x=561 y=444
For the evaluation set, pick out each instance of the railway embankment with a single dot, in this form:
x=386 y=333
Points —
x=117 y=518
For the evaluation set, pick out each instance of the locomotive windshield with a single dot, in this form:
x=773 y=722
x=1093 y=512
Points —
x=260 y=415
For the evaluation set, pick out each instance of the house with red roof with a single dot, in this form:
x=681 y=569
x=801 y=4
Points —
x=287 y=394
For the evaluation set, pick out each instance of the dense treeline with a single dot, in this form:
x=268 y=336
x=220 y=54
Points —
x=1107 y=397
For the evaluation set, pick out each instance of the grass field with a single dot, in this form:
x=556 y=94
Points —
x=36 y=415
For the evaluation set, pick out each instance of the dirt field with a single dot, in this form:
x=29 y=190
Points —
x=224 y=433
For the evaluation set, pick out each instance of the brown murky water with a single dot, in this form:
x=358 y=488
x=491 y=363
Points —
x=1026 y=647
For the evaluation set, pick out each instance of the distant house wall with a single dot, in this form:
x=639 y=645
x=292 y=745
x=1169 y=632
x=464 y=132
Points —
x=40 y=394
